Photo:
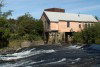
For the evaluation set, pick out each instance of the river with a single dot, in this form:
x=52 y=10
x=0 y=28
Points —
x=53 y=56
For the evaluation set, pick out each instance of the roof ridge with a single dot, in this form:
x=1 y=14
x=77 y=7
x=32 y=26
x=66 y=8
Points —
x=69 y=13
x=56 y=16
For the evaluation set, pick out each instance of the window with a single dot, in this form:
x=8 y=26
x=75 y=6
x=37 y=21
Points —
x=79 y=25
x=86 y=25
x=92 y=24
x=68 y=24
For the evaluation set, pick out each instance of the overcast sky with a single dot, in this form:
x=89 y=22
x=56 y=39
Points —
x=36 y=7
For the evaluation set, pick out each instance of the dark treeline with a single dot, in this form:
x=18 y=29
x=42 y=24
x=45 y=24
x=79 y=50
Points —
x=23 y=28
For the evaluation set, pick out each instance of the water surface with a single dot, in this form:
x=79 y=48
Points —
x=52 y=56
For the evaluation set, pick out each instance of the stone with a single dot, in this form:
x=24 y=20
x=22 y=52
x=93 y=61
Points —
x=26 y=44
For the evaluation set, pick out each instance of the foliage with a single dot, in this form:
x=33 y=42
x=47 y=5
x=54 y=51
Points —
x=4 y=26
x=77 y=38
x=28 y=27
x=24 y=27
x=88 y=35
x=4 y=32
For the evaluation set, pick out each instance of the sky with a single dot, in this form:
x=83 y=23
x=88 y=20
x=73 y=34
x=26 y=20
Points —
x=36 y=7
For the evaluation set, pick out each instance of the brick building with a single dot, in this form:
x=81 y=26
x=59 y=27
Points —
x=59 y=26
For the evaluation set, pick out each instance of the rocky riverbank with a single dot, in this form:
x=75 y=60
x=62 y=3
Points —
x=16 y=45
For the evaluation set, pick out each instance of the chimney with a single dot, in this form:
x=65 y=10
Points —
x=55 y=10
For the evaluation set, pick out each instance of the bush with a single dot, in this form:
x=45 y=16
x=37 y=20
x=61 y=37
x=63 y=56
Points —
x=77 y=37
x=88 y=35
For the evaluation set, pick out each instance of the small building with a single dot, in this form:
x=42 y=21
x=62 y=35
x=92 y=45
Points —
x=59 y=26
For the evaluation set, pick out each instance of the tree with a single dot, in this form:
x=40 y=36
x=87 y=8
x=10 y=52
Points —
x=4 y=32
x=77 y=37
x=4 y=26
x=97 y=18
x=39 y=27
x=88 y=35
x=29 y=28
x=26 y=23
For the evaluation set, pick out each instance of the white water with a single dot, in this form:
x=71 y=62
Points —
x=34 y=57
x=30 y=52
x=24 y=54
x=37 y=62
x=74 y=47
x=76 y=60
x=62 y=60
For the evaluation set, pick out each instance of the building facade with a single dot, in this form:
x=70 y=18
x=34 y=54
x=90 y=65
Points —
x=59 y=26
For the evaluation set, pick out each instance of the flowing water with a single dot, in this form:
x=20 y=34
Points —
x=52 y=56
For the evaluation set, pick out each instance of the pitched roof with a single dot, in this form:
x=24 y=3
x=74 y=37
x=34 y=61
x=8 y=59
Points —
x=56 y=16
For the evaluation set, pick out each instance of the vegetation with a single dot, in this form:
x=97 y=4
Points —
x=24 y=27
x=89 y=35
x=28 y=28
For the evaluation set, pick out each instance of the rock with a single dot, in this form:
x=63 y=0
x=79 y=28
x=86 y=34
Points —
x=26 y=44
x=7 y=51
x=36 y=43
